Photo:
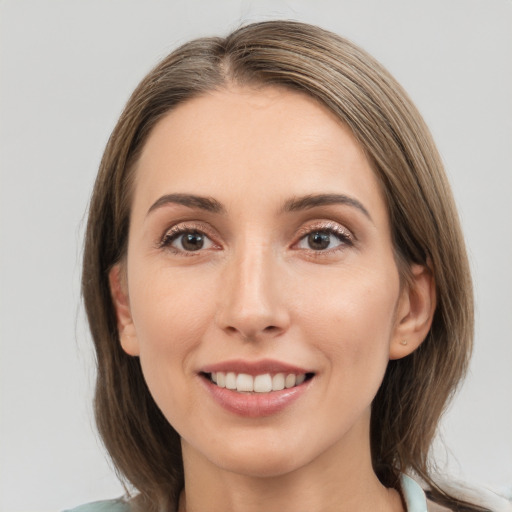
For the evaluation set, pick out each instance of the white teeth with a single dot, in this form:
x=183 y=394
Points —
x=231 y=380
x=278 y=382
x=264 y=383
x=290 y=381
x=244 y=382
x=300 y=379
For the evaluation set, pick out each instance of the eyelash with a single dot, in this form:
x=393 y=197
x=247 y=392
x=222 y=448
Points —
x=343 y=235
x=175 y=232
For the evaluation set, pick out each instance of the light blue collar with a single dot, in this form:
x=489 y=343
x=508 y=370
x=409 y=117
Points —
x=414 y=496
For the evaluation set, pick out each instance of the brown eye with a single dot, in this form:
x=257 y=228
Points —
x=187 y=241
x=324 y=240
x=192 y=241
x=319 y=240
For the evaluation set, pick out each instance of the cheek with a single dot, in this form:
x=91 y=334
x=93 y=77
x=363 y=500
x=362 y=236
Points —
x=170 y=314
x=168 y=308
x=351 y=318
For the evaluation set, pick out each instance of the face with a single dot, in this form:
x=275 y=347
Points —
x=259 y=257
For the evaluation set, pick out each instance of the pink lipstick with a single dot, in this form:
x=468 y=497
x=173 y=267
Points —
x=255 y=389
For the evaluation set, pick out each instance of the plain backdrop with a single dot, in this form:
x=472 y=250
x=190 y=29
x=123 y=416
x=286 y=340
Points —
x=66 y=70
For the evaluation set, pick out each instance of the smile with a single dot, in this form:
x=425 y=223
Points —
x=263 y=383
x=256 y=389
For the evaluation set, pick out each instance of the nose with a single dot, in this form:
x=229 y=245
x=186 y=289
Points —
x=252 y=303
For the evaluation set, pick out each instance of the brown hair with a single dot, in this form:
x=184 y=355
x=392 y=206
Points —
x=145 y=449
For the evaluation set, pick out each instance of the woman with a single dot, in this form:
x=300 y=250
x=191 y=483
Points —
x=276 y=282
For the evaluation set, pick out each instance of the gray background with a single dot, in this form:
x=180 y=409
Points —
x=66 y=70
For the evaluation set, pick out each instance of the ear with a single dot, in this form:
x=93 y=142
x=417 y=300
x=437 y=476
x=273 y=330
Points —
x=125 y=326
x=415 y=312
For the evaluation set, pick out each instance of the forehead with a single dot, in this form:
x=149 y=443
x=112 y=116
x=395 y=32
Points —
x=249 y=141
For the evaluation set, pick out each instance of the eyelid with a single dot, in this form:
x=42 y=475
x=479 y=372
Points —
x=344 y=235
x=327 y=225
x=179 y=228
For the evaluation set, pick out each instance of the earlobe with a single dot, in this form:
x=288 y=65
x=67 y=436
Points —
x=415 y=312
x=125 y=326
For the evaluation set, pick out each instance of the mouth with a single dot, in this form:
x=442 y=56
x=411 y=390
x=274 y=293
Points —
x=261 y=383
x=256 y=389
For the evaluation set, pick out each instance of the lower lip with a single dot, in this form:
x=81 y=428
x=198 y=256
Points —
x=255 y=405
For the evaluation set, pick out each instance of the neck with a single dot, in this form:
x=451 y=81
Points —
x=339 y=480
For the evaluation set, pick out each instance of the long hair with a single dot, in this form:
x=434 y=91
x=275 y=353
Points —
x=405 y=413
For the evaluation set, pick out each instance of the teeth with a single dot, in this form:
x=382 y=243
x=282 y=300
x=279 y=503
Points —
x=263 y=383
x=290 y=380
x=278 y=382
x=300 y=379
x=244 y=382
x=231 y=380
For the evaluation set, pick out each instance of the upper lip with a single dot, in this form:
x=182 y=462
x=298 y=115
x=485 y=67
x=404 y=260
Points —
x=254 y=367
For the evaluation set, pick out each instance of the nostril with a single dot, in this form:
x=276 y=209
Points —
x=252 y=334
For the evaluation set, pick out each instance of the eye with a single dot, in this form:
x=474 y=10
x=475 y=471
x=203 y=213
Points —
x=325 y=239
x=181 y=239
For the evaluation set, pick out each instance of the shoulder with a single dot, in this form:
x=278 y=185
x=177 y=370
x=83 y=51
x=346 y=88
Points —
x=118 y=505
x=415 y=498
x=480 y=497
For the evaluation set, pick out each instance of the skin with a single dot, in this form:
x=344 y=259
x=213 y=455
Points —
x=258 y=290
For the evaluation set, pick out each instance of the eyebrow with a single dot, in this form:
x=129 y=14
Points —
x=313 y=200
x=294 y=204
x=192 y=201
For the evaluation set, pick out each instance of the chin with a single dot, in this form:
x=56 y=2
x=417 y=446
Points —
x=263 y=464
x=254 y=455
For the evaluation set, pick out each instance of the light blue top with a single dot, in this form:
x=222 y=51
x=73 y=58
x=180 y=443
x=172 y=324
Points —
x=103 y=506
x=413 y=495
